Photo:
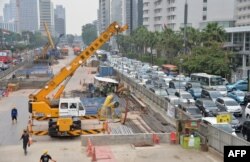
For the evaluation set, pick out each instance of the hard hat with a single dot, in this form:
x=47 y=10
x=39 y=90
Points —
x=45 y=151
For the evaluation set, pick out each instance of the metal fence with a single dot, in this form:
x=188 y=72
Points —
x=215 y=137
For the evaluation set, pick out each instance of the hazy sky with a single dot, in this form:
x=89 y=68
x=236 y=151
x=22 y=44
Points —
x=78 y=13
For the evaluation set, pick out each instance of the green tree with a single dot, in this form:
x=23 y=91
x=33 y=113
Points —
x=89 y=33
x=213 y=33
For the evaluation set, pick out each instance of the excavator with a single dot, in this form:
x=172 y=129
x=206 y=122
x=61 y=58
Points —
x=46 y=54
x=65 y=114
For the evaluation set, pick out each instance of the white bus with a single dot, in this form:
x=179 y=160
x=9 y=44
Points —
x=209 y=81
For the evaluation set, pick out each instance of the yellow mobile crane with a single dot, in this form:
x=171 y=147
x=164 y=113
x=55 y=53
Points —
x=64 y=113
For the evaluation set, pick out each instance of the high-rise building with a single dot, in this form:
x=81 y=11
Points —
x=1 y=19
x=104 y=15
x=242 y=13
x=60 y=20
x=29 y=15
x=132 y=14
x=47 y=16
x=10 y=26
x=10 y=11
x=170 y=13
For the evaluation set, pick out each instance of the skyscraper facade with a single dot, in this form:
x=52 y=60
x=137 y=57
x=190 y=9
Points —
x=47 y=16
x=60 y=20
x=242 y=13
x=29 y=15
x=103 y=15
x=170 y=13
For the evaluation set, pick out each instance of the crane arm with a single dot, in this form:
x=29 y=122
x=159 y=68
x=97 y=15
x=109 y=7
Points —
x=49 y=36
x=69 y=70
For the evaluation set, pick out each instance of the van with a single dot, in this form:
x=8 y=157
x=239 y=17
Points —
x=227 y=127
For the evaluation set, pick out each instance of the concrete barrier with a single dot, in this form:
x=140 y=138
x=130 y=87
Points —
x=99 y=140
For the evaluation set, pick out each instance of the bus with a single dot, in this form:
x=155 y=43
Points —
x=207 y=81
x=170 y=70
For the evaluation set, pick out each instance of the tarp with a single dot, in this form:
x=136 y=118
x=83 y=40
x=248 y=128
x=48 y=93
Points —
x=109 y=80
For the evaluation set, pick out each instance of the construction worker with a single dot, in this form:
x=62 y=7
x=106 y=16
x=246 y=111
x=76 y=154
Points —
x=25 y=137
x=46 y=157
x=14 y=114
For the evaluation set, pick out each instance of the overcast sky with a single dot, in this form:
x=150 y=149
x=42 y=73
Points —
x=78 y=13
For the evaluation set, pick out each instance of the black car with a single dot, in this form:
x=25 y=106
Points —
x=246 y=130
x=176 y=84
x=207 y=107
x=247 y=98
x=191 y=109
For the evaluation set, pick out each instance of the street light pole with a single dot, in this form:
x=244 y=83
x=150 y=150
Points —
x=185 y=26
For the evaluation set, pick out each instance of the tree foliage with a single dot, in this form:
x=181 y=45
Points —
x=204 y=48
x=89 y=33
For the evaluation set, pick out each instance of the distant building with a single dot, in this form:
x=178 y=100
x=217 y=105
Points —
x=242 y=13
x=170 y=13
x=11 y=26
x=7 y=13
x=60 y=20
x=132 y=14
x=103 y=15
x=238 y=39
x=47 y=16
x=29 y=15
x=1 y=19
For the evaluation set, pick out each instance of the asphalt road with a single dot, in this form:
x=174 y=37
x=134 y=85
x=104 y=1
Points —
x=10 y=133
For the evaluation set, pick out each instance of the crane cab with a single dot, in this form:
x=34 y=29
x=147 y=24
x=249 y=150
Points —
x=71 y=107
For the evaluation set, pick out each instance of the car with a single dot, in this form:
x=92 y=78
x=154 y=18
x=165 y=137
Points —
x=170 y=91
x=173 y=100
x=240 y=85
x=207 y=107
x=222 y=89
x=247 y=111
x=237 y=96
x=223 y=126
x=246 y=98
x=210 y=94
x=184 y=96
x=236 y=124
x=176 y=84
x=245 y=130
x=191 y=109
x=192 y=84
x=159 y=92
x=195 y=92
x=228 y=104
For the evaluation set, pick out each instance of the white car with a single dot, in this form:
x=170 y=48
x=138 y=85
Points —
x=227 y=127
x=184 y=96
x=247 y=111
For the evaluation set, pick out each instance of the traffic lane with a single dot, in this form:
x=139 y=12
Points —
x=11 y=133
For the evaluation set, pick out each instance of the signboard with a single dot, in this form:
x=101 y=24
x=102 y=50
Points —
x=224 y=118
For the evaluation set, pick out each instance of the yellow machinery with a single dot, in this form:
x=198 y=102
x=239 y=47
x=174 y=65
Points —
x=64 y=113
x=107 y=108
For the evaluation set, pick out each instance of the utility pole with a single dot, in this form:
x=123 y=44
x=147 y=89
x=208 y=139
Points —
x=185 y=27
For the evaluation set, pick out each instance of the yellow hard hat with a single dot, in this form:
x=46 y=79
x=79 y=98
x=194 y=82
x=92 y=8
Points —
x=45 y=151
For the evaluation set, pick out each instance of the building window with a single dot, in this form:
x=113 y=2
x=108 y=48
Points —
x=204 y=17
x=204 y=1
x=158 y=10
x=145 y=12
x=158 y=18
x=204 y=8
x=145 y=19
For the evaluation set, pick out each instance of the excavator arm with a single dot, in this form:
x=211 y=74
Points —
x=69 y=70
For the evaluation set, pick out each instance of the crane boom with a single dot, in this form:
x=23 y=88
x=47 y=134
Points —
x=49 y=35
x=69 y=70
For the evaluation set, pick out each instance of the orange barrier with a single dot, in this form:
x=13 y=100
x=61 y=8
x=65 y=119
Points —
x=173 y=137
x=156 y=139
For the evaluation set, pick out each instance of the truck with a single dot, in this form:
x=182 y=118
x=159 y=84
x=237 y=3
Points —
x=77 y=50
x=64 y=114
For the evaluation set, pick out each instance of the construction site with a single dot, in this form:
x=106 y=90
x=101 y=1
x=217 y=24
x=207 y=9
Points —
x=71 y=110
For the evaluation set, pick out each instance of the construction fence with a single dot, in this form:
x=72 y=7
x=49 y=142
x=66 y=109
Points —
x=215 y=137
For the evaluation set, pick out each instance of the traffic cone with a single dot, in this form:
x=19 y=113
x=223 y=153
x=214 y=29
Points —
x=94 y=156
x=89 y=152
x=89 y=144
